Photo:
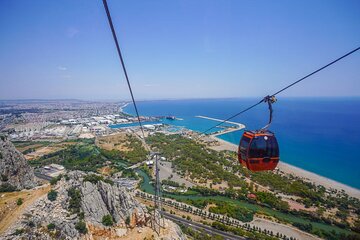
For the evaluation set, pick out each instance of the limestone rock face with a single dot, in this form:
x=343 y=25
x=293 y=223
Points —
x=97 y=200
x=172 y=231
x=14 y=168
x=103 y=199
x=43 y=212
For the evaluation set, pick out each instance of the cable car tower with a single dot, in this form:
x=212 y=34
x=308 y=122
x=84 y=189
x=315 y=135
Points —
x=158 y=219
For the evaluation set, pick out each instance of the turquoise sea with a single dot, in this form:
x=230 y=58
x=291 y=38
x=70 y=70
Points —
x=320 y=135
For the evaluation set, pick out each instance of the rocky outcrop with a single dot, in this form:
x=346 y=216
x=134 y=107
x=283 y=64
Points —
x=102 y=199
x=14 y=168
x=172 y=231
x=97 y=200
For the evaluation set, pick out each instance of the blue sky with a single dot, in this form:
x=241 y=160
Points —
x=177 y=49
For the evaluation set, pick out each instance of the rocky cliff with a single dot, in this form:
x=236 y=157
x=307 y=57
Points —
x=78 y=213
x=14 y=168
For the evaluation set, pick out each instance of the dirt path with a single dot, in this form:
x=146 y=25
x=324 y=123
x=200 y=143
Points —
x=10 y=212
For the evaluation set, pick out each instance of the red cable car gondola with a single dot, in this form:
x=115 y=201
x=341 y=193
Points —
x=259 y=150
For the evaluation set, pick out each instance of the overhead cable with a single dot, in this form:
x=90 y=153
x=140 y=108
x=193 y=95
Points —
x=123 y=64
x=283 y=89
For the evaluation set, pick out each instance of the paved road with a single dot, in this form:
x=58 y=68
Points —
x=136 y=165
x=42 y=176
x=199 y=226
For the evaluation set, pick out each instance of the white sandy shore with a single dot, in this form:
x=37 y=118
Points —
x=123 y=106
x=310 y=176
x=285 y=167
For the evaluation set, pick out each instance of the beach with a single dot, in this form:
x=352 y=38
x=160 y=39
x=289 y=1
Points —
x=320 y=161
x=290 y=169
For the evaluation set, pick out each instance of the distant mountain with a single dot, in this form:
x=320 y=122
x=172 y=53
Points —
x=15 y=172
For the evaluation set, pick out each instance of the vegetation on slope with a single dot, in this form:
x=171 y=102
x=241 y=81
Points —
x=86 y=156
x=206 y=166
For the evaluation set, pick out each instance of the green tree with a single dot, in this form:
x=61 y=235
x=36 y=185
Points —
x=51 y=226
x=304 y=226
x=127 y=220
x=107 y=220
x=54 y=180
x=19 y=231
x=81 y=227
x=52 y=195
x=93 y=178
x=6 y=187
x=19 y=201
x=75 y=200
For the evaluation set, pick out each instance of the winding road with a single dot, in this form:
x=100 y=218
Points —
x=199 y=226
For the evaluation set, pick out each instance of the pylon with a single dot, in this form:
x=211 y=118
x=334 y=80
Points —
x=158 y=219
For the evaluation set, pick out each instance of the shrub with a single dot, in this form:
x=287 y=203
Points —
x=219 y=226
x=6 y=187
x=19 y=201
x=127 y=220
x=273 y=201
x=29 y=150
x=107 y=220
x=19 y=231
x=31 y=224
x=93 y=178
x=54 y=180
x=51 y=226
x=4 y=178
x=109 y=181
x=232 y=210
x=81 y=227
x=75 y=200
x=129 y=173
x=170 y=183
x=303 y=226
x=52 y=195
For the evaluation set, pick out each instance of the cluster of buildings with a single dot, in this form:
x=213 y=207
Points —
x=50 y=171
x=98 y=120
x=32 y=119
x=127 y=183
x=70 y=128
x=69 y=119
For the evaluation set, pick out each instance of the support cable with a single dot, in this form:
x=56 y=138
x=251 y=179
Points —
x=122 y=64
x=283 y=89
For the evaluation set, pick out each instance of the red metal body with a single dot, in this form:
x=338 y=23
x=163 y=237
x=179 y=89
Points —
x=258 y=150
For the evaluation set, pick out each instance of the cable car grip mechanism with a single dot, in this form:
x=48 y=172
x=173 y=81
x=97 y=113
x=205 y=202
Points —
x=269 y=100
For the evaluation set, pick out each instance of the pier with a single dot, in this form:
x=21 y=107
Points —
x=239 y=125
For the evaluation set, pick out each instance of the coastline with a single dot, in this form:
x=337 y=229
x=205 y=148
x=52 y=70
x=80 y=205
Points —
x=122 y=108
x=284 y=167
x=306 y=175
x=241 y=126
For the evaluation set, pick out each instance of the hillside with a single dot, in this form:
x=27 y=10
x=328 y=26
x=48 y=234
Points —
x=87 y=206
x=15 y=172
